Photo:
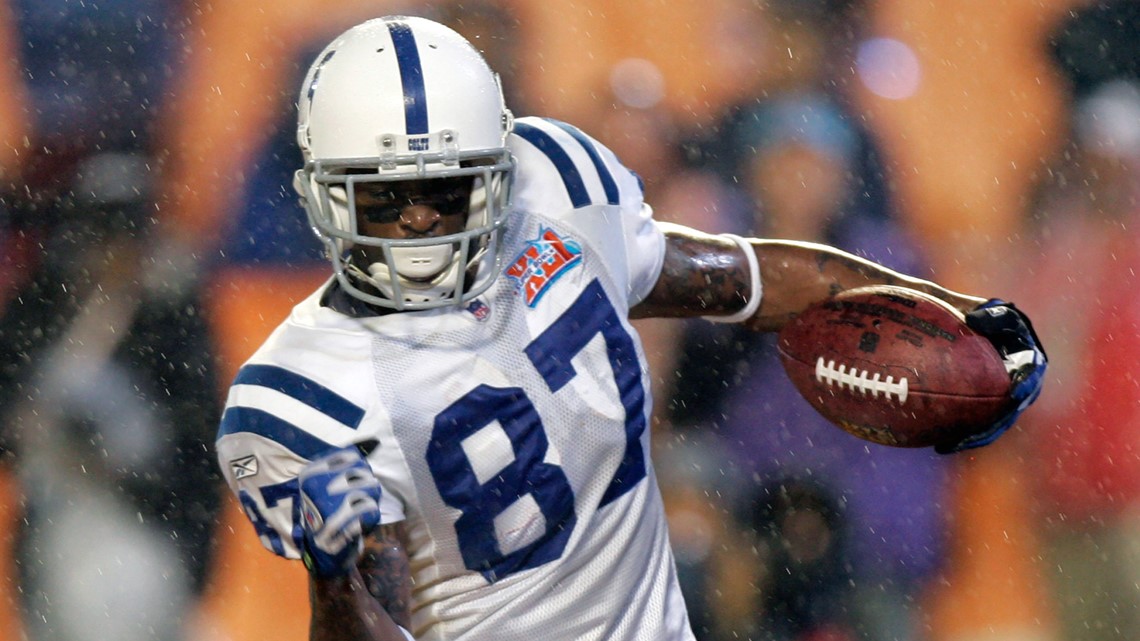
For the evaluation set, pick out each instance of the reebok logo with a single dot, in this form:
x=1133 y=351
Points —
x=244 y=467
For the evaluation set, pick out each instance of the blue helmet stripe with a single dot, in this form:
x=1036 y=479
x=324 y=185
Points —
x=303 y=389
x=579 y=196
x=317 y=74
x=608 y=182
x=255 y=421
x=412 y=77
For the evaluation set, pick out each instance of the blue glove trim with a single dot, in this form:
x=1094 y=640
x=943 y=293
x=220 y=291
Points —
x=339 y=504
x=1012 y=334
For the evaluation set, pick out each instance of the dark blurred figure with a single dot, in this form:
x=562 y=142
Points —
x=805 y=588
x=1098 y=44
x=107 y=391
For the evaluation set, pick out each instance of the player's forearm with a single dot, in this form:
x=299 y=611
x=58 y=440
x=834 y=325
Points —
x=344 y=610
x=709 y=275
x=702 y=275
x=387 y=573
x=795 y=274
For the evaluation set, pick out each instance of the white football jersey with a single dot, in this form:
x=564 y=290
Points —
x=513 y=432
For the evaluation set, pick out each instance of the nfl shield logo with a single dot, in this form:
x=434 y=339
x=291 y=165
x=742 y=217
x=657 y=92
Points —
x=479 y=310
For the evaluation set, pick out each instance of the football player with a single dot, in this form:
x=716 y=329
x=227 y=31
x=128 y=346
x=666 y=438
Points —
x=451 y=433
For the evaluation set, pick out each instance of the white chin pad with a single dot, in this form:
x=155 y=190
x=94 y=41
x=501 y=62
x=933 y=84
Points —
x=420 y=263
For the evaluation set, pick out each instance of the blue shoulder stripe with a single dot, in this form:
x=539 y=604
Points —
x=608 y=183
x=303 y=389
x=255 y=421
x=579 y=196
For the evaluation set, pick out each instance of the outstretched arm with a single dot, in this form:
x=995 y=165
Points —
x=709 y=275
x=369 y=602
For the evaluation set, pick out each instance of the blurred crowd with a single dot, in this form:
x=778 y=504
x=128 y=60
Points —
x=149 y=239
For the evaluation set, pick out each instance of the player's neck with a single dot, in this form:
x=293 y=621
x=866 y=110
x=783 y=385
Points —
x=337 y=299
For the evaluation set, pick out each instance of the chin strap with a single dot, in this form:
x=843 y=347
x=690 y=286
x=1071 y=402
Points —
x=413 y=291
x=439 y=287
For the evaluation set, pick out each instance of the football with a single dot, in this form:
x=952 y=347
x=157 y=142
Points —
x=895 y=366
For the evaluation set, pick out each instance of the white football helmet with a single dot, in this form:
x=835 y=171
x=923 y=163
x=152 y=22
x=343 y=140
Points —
x=397 y=99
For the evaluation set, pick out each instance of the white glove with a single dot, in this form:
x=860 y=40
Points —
x=340 y=503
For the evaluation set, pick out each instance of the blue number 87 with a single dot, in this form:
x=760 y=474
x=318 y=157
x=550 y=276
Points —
x=528 y=474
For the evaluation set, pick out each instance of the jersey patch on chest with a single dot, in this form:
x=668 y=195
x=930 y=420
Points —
x=544 y=260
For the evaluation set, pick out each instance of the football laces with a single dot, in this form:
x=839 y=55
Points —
x=860 y=380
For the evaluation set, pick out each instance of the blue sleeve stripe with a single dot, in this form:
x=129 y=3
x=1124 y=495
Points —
x=261 y=423
x=411 y=76
x=608 y=182
x=579 y=196
x=304 y=390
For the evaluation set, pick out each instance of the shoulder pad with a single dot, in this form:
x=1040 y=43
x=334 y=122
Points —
x=587 y=172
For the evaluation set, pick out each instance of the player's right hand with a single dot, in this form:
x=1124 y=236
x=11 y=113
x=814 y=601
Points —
x=340 y=503
x=1012 y=334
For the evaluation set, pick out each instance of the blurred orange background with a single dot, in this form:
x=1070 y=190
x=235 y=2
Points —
x=963 y=151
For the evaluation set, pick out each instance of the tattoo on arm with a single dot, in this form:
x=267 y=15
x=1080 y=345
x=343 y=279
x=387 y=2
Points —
x=702 y=275
x=387 y=573
x=842 y=271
